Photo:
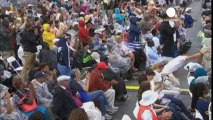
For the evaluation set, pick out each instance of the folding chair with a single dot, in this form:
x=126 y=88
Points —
x=84 y=71
x=13 y=63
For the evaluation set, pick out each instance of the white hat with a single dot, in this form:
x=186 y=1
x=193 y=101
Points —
x=30 y=5
x=132 y=1
x=98 y=31
x=170 y=12
x=18 y=18
x=63 y=78
x=75 y=23
x=118 y=31
x=96 y=56
x=82 y=13
x=148 y=98
x=55 y=40
x=151 y=2
x=192 y=66
x=39 y=15
x=57 y=16
x=187 y=9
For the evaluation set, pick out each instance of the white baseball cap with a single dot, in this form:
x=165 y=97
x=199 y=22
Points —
x=148 y=98
x=96 y=56
x=191 y=66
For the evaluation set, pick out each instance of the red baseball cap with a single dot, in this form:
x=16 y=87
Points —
x=102 y=65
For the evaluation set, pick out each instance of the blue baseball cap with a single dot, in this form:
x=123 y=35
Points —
x=40 y=74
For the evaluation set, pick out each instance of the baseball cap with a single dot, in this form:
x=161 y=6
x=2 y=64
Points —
x=102 y=65
x=40 y=74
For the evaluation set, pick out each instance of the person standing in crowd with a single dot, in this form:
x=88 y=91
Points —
x=64 y=58
x=6 y=40
x=30 y=39
x=47 y=35
x=167 y=33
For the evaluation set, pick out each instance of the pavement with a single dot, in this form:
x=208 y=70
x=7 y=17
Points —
x=128 y=106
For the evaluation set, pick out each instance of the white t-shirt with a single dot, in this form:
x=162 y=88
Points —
x=156 y=41
x=174 y=64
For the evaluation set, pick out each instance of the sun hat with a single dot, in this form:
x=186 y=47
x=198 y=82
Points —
x=40 y=74
x=63 y=78
x=102 y=65
x=170 y=12
x=96 y=56
x=148 y=98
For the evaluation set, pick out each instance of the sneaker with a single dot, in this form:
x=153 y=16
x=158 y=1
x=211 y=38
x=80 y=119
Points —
x=102 y=118
x=114 y=108
x=107 y=117
x=111 y=109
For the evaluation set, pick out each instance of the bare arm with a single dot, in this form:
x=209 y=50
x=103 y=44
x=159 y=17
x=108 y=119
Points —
x=196 y=55
x=9 y=104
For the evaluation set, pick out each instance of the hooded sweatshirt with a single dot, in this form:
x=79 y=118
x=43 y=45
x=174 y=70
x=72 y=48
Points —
x=118 y=16
x=134 y=33
x=82 y=31
x=47 y=36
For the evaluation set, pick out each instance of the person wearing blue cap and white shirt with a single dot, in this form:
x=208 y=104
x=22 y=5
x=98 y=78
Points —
x=62 y=102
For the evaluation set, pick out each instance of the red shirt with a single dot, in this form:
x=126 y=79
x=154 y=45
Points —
x=82 y=31
x=97 y=82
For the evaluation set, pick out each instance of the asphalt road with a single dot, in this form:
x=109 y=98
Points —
x=128 y=106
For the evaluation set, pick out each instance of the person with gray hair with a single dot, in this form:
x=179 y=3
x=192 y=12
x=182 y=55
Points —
x=78 y=87
x=7 y=110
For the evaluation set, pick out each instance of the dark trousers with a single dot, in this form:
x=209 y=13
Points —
x=168 y=50
x=179 y=103
x=140 y=59
x=120 y=88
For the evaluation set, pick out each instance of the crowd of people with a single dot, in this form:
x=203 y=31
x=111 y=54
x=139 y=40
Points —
x=72 y=59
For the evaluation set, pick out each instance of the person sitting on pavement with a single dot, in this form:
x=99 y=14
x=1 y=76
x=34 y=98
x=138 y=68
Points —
x=146 y=111
x=63 y=104
x=76 y=86
x=96 y=82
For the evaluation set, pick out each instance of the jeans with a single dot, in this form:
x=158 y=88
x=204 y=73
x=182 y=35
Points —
x=179 y=103
x=64 y=70
x=100 y=98
x=175 y=114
